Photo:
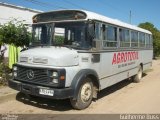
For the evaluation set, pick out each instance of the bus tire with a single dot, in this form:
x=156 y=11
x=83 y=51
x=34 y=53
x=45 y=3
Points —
x=85 y=95
x=137 y=78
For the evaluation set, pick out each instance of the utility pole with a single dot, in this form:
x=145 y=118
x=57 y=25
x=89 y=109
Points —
x=130 y=17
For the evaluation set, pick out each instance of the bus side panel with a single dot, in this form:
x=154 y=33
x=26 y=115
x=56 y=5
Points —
x=146 y=58
x=111 y=80
x=114 y=68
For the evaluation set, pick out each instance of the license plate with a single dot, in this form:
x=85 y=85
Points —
x=46 y=92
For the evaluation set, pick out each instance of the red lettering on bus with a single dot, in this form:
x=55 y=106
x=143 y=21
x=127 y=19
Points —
x=118 y=58
x=122 y=57
x=114 y=59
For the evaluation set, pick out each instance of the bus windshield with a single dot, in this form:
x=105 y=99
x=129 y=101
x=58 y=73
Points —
x=68 y=34
x=41 y=34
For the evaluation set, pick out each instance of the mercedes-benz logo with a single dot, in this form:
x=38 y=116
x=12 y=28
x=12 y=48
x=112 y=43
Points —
x=30 y=74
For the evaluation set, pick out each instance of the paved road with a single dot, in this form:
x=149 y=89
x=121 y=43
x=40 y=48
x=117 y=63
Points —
x=124 y=97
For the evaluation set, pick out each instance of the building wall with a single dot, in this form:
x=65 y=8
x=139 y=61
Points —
x=9 y=12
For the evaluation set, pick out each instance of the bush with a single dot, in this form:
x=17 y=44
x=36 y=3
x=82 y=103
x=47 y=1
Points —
x=4 y=73
x=12 y=33
x=15 y=33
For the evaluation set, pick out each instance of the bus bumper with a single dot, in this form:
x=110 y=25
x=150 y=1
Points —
x=61 y=93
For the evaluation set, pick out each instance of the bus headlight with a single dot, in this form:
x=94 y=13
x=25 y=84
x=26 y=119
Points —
x=57 y=77
x=55 y=74
x=15 y=71
x=15 y=74
x=55 y=81
x=15 y=68
x=54 y=77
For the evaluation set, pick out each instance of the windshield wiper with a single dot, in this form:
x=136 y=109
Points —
x=73 y=47
x=67 y=46
x=36 y=45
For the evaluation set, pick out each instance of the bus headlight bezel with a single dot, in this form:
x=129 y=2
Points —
x=55 y=74
x=54 y=77
x=15 y=68
x=14 y=73
x=58 y=77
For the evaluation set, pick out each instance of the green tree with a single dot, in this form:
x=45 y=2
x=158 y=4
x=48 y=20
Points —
x=156 y=36
x=15 y=33
x=12 y=33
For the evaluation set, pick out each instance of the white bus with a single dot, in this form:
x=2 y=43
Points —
x=75 y=53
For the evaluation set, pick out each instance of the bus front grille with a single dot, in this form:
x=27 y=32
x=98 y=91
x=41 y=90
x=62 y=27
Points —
x=32 y=75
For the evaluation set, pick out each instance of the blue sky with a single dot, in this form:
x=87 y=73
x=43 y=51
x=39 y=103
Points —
x=142 y=10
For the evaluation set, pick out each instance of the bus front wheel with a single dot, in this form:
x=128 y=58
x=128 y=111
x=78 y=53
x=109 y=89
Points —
x=137 y=78
x=85 y=95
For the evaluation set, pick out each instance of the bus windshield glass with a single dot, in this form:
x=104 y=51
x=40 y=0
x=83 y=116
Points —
x=68 y=34
x=41 y=34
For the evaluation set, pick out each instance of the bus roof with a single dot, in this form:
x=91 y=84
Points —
x=94 y=16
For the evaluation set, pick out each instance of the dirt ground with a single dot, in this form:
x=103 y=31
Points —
x=124 y=97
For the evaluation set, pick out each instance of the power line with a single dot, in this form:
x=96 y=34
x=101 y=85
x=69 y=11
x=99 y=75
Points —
x=114 y=7
x=127 y=14
x=2 y=0
x=73 y=4
x=44 y=4
x=5 y=1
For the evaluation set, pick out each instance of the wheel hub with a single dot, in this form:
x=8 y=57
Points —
x=86 y=92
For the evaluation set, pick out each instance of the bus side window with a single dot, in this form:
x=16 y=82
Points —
x=147 y=40
x=141 y=39
x=124 y=37
x=91 y=33
x=104 y=32
x=110 y=39
x=97 y=31
x=151 y=41
x=134 y=39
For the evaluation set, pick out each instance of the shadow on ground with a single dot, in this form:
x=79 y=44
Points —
x=44 y=103
x=64 y=105
x=116 y=87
